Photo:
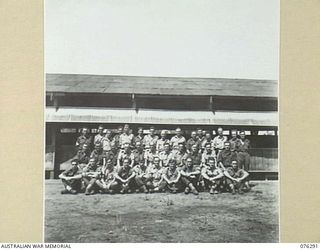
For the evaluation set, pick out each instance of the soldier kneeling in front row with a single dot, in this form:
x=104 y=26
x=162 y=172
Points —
x=154 y=176
x=237 y=178
x=90 y=174
x=212 y=176
x=190 y=174
x=124 y=177
x=107 y=181
x=71 y=178
x=171 y=178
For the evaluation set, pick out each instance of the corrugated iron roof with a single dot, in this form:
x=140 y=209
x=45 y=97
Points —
x=108 y=84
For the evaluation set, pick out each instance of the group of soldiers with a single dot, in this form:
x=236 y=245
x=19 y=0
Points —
x=126 y=163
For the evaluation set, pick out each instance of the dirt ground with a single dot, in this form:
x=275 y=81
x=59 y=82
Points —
x=252 y=217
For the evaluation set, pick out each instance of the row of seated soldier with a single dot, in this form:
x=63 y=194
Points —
x=126 y=163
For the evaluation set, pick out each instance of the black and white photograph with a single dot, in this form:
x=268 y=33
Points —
x=161 y=121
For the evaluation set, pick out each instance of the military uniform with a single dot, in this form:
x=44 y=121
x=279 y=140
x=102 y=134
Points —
x=90 y=175
x=98 y=155
x=149 y=156
x=75 y=184
x=206 y=141
x=123 y=154
x=200 y=140
x=176 y=140
x=82 y=156
x=196 y=158
x=171 y=174
x=125 y=138
x=116 y=143
x=180 y=157
x=98 y=138
x=234 y=143
x=243 y=154
x=139 y=155
x=194 y=178
x=140 y=176
x=153 y=176
x=210 y=172
x=236 y=173
x=218 y=143
x=137 y=138
x=107 y=181
x=226 y=157
x=107 y=144
x=164 y=158
x=206 y=155
x=82 y=139
x=192 y=142
x=124 y=173
x=160 y=144
x=148 y=140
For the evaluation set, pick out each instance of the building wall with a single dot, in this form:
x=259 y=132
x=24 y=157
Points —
x=60 y=143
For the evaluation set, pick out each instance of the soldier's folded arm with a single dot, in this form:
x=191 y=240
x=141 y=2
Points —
x=221 y=165
x=177 y=179
x=196 y=172
x=204 y=174
x=226 y=174
x=76 y=177
x=117 y=177
x=166 y=179
x=130 y=177
x=245 y=175
x=158 y=182
x=94 y=174
x=62 y=176
x=183 y=173
x=220 y=175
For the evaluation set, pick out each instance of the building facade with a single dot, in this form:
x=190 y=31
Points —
x=75 y=101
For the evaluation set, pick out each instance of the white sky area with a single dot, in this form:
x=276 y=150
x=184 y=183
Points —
x=187 y=38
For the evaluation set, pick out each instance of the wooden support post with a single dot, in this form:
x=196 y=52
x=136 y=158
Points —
x=56 y=102
x=211 y=106
x=134 y=103
x=55 y=144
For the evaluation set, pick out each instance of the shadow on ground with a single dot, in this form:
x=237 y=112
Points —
x=252 y=217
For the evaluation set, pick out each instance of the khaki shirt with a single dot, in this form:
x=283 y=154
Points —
x=125 y=138
x=122 y=154
x=243 y=146
x=98 y=138
x=192 y=142
x=148 y=139
x=171 y=174
x=206 y=156
x=236 y=173
x=72 y=171
x=211 y=172
x=180 y=157
x=84 y=140
x=218 y=142
x=106 y=143
x=154 y=172
x=160 y=144
x=124 y=173
x=193 y=168
x=226 y=157
x=165 y=157
x=175 y=141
